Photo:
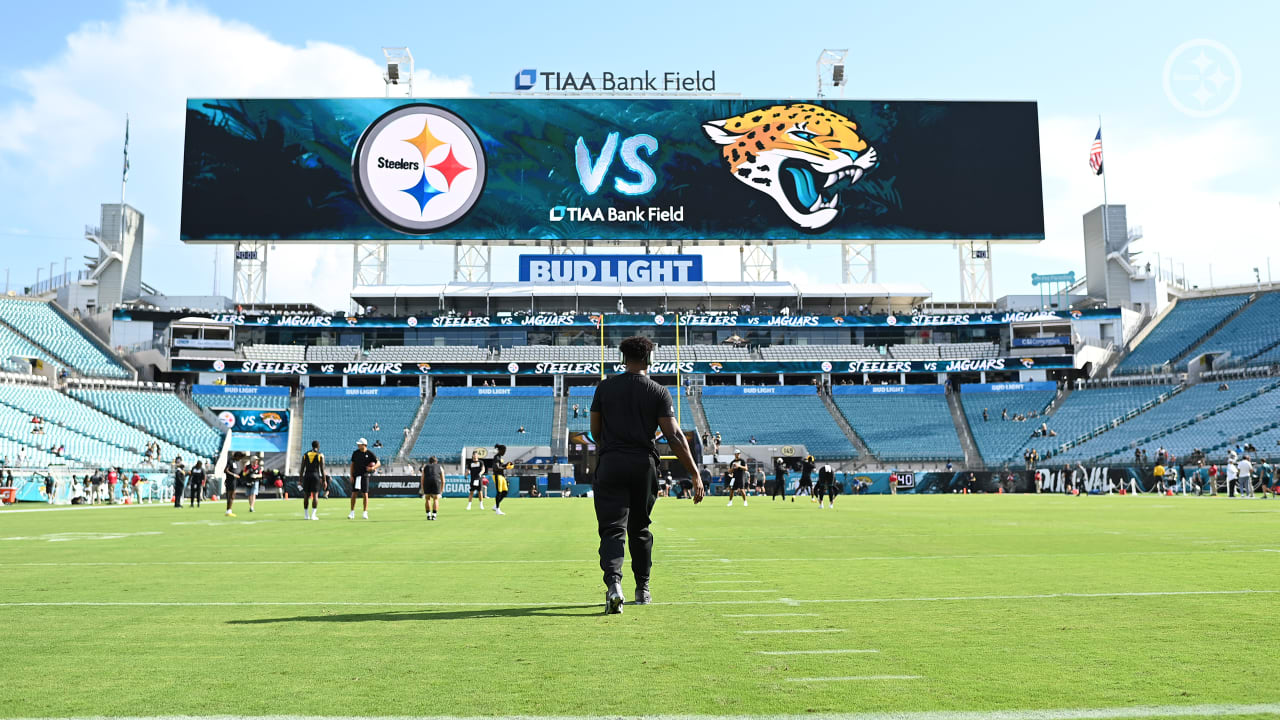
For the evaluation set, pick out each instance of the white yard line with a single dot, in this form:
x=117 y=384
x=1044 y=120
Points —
x=1102 y=713
x=717 y=582
x=852 y=678
x=755 y=615
x=793 y=631
x=559 y=603
x=591 y=559
x=814 y=652
x=703 y=590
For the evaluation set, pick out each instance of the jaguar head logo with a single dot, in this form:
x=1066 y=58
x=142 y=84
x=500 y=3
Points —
x=272 y=420
x=1028 y=363
x=424 y=367
x=716 y=367
x=801 y=155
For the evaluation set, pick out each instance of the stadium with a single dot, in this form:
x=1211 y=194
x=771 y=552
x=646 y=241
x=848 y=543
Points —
x=1036 y=503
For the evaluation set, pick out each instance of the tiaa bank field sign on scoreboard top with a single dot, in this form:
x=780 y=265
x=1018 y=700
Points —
x=611 y=269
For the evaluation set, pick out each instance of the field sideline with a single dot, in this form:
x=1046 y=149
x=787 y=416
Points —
x=923 y=608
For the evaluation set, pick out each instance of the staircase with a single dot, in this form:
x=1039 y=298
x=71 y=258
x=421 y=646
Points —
x=560 y=428
x=693 y=401
x=292 y=456
x=864 y=452
x=415 y=429
x=972 y=458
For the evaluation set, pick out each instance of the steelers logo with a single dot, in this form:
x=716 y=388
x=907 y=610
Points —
x=418 y=169
x=826 y=366
x=219 y=366
x=228 y=418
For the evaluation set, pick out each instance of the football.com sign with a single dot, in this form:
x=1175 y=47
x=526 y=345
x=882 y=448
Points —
x=611 y=269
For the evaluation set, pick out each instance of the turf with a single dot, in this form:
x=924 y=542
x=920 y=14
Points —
x=971 y=602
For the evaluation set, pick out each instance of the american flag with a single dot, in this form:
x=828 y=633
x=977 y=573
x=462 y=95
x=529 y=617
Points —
x=1095 y=154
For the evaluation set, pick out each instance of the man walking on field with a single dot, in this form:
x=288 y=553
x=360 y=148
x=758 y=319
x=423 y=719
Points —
x=363 y=465
x=313 y=474
x=625 y=413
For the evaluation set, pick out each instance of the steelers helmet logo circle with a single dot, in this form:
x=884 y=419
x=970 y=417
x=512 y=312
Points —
x=418 y=168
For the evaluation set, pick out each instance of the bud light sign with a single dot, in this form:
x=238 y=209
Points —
x=611 y=269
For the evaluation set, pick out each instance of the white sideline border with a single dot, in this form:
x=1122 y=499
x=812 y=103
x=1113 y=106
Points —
x=1103 y=713
x=591 y=560
x=755 y=602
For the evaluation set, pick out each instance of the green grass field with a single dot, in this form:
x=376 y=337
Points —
x=955 y=603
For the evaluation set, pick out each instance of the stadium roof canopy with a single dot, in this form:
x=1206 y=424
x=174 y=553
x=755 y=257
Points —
x=906 y=292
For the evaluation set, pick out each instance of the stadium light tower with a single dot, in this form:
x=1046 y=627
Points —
x=857 y=260
x=399 y=73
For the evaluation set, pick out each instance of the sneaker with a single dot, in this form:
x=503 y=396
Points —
x=498 y=512
x=468 y=506
x=306 y=515
x=744 y=503
x=613 y=600
x=642 y=594
x=250 y=509
x=364 y=515
x=730 y=504
x=229 y=514
x=481 y=506
x=351 y=515
x=315 y=516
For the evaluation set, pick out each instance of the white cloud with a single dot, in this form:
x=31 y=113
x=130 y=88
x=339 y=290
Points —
x=1177 y=184
x=146 y=64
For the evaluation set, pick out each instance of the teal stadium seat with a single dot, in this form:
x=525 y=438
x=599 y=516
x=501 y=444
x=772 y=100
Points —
x=161 y=414
x=1183 y=327
x=1000 y=442
x=464 y=417
x=337 y=422
x=43 y=324
x=900 y=426
x=775 y=420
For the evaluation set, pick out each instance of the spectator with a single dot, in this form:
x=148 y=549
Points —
x=1004 y=414
x=376 y=426
x=576 y=410
x=521 y=430
x=984 y=415
x=753 y=440
x=377 y=443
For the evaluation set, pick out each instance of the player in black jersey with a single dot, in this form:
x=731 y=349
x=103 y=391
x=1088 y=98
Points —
x=195 y=483
x=500 y=468
x=779 y=480
x=432 y=486
x=738 y=478
x=806 y=478
x=313 y=474
x=475 y=467
x=827 y=485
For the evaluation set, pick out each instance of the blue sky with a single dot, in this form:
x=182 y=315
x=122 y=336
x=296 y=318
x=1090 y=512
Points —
x=1204 y=188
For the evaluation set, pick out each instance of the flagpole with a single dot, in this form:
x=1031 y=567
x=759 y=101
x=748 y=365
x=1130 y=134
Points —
x=1106 y=220
x=124 y=179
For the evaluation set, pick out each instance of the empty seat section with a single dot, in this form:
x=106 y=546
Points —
x=12 y=345
x=481 y=417
x=160 y=414
x=1255 y=329
x=775 y=416
x=581 y=396
x=215 y=397
x=1085 y=411
x=89 y=435
x=901 y=422
x=333 y=353
x=1220 y=428
x=1183 y=327
x=427 y=354
x=276 y=353
x=338 y=420
x=999 y=440
x=1183 y=407
x=44 y=325
x=820 y=352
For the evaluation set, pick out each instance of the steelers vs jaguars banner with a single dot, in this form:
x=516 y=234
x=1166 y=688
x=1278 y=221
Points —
x=254 y=421
x=610 y=169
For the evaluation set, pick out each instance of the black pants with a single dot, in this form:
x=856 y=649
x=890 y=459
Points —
x=497 y=502
x=779 y=488
x=177 y=494
x=196 y=491
x=826 y=491
x=625 y=490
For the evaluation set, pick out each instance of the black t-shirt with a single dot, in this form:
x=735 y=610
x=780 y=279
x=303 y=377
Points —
x=197 y=475
x=232 y=471
x=630 y=406
x=179 y=475
x=806 y=470
x=362 y=459
x=476 y=468
x=739 y=469
x=779 y=470
x=311 y=460
x=826 y=475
